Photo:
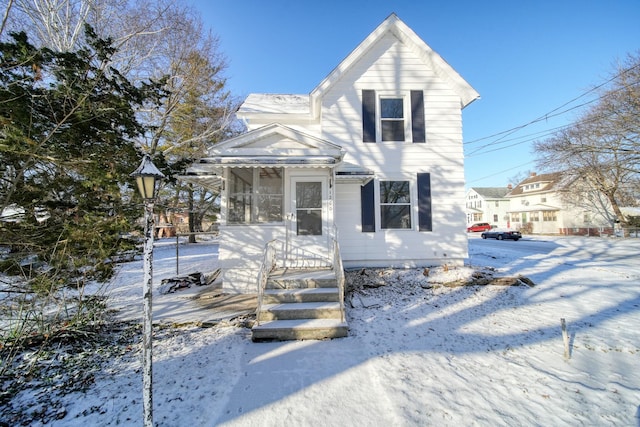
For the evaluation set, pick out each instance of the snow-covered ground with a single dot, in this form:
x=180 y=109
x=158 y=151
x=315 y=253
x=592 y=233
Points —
x=418 y=352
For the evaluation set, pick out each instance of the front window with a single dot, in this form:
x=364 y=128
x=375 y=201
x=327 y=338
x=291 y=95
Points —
x=255 y=195
x=392 y=119
x=549 y=216
x=395 y=204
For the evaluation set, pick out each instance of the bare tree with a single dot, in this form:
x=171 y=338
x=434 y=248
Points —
x=600 y=151
x=154 y=39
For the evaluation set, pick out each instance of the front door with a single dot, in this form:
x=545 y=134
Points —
x=308 y=223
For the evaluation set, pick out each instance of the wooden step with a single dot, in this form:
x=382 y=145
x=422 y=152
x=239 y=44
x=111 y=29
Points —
x=274 y=296
x=303 y=329
x=301 y=310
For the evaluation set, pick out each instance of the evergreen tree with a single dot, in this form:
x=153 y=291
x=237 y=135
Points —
x=67 y=122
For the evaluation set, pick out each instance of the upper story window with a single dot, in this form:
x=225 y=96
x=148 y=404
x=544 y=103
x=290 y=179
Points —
x=255 y=195
x=392 y=119
x=395 y=117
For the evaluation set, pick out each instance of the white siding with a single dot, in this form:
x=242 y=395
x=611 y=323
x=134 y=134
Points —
x=398 y=70
x=389 y=67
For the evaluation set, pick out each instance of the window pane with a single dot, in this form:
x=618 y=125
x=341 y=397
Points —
x=255 y=195
x=270 y=181
x=241 y=181
x=269 y=208
x=309 y=222
x=240 y=189
x=392 y=130
x=394 y=192
x=395 y=216
x=308 y=195
x=239 y=208
x=391 y=108
x=269 y=199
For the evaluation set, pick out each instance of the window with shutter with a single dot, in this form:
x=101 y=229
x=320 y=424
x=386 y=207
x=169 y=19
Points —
x=385 y=117
x=395 y=204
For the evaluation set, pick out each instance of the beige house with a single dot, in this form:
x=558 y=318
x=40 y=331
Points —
x=538 y=205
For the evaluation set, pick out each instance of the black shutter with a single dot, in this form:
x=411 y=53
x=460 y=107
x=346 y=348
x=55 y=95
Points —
x=369 y=116
x=424 y=202
x=417 y=116
x=367 y=207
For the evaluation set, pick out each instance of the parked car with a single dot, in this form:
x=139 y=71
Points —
x=479 y=226
x=502 y=234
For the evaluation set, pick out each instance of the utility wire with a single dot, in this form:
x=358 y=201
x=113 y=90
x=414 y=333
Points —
x=553 y=113
x=501 y=172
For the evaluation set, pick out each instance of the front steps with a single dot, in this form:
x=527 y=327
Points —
x=300 y=305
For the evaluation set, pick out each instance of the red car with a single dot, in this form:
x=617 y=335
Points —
x=479 y=226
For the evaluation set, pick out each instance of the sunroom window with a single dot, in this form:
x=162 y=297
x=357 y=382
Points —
x=255 y=195
x=395 y=204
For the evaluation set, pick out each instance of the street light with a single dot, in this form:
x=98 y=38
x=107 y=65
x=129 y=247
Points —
x=146 y=177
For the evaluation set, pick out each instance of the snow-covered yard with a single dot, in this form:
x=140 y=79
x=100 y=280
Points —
x=418 y=352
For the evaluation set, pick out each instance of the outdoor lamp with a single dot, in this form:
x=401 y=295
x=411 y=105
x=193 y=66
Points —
x=146 y=176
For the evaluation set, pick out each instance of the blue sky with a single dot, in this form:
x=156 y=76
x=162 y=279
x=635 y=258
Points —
x=525 y=59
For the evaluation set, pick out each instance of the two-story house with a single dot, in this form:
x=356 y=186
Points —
x=552 y=204
x=370 y=162
x=372 y=155
x=488 y=204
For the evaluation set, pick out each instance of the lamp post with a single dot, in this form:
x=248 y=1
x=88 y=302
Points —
x=146 y=177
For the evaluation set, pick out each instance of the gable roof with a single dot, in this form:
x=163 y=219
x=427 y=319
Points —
x=399 y=29
x=491 y=192
x=547 y=181
x=273 y=145
x=270 y=145
x=305 y=106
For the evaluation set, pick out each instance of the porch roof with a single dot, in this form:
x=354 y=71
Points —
x=267 y=161
x=534 y=208
x=210 y=181
x=348 y=173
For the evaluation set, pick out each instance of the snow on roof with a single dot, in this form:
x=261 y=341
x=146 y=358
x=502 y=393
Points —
x=275 y=104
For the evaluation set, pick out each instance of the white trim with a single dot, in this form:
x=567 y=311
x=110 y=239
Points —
x=406 y=107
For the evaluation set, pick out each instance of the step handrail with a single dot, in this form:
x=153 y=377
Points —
x=267 y=266
x=339 y=270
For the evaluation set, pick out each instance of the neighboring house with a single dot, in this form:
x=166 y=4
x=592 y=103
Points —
x=371 y=157
x=488 y=204
x=538 y=207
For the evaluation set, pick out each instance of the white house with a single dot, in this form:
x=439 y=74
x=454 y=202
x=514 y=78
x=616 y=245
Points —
x=488 y=204
x=372 y=157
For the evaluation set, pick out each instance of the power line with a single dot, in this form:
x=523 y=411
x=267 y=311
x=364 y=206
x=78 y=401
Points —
x=551 y=131
x=553 y=113
x=503 y=171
